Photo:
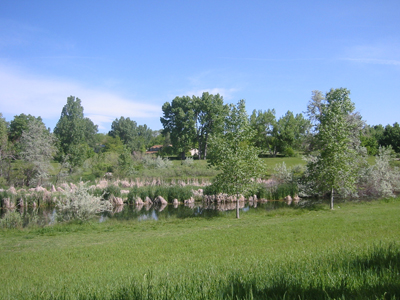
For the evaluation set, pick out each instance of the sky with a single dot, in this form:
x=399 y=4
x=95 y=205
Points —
x=127 y=58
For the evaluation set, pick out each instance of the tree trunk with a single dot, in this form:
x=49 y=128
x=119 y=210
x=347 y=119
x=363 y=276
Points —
x=237 y=208
x=332 y=199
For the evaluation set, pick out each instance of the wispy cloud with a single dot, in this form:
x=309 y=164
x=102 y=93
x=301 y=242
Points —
x=226 y=93
x=21 y=92
x=382 y=53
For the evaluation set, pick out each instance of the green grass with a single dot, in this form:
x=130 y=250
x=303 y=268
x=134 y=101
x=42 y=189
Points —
x=351 y=252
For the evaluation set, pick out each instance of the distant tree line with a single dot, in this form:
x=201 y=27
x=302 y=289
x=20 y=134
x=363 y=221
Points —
x=27 y=147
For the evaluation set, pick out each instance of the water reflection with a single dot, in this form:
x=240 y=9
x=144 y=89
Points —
x=146 y=211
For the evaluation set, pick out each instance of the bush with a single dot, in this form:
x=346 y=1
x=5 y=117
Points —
x=11 y=220
x=111 y=190
x=80 y=204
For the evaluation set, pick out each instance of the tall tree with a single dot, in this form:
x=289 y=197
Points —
x=179 y=122
x=209 y=114
x=5 y=155
x=391 y=137
x=38 y=149
x=73 y=132
x=136 y=138
x=233 y=153
x=20 y=124
x=263 y=123
x=332 y=168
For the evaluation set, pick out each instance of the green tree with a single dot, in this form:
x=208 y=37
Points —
x=38 y=149
x=235 y=156
x=73 y=132
x=391 y=137
x=332 y=168
x=179 y=122
x=5 y=154
x=209 y=114
x=136 y=138
x=263 y=123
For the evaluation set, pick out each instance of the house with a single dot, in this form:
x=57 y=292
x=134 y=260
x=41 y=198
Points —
x=154 y=149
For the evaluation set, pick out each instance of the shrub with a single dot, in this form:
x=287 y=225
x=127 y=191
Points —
x=188 y=161
x=111 y=190
x=80 y=204
x=11 y=220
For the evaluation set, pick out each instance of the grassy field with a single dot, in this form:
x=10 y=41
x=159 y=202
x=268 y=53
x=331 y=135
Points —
x=351 y=252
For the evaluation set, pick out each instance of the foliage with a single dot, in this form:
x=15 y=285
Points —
x=381 y=179
x=111 y=191
x=391 y=137
x=188 y=161
x=134 y=137
x=234 y=155
x=179 y=121
x=73 y=132
x=79 y=204
x=282 y=174
x=11 y=219
x=333 y=168
x=20 y=124
x=38 y=149
x=5 y=148
x=209 y=114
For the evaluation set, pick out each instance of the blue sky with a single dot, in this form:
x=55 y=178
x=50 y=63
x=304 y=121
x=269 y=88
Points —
x=127 y=58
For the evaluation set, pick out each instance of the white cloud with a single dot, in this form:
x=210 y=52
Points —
x=226 y=93
x=25 y=93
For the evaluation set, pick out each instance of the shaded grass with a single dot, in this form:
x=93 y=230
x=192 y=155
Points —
x=313 y=253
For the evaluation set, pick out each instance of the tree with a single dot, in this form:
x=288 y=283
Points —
x=234 y=155
x=20 y=124
x=4 y=145
x=73 y=132
x=332 y=168
x=391 y=137
x=37 y=145
x=263 y=123
x=136 y=138
x=179 y=122
x=209 y=114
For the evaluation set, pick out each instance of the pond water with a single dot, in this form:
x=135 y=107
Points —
x=46 y=216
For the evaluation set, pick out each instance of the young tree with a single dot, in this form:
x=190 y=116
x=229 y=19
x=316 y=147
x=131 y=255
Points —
x=233 y=153
x=37 y=145
x=333 y=169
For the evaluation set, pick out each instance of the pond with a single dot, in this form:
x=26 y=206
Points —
x=47 y=215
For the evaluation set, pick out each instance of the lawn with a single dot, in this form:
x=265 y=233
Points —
x=351 y=252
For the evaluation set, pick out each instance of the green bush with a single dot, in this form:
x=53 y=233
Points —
x=11 y=220
x=111 y=190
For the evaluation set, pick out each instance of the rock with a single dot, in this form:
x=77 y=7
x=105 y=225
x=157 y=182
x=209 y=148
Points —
x=175 y=202
x=160 y=200
x=118 y=201
x=288 y=198
x=148 y=201
x=12 y=190
x=53 y=189
x=60 y=190
x=241 y=198
x=139 y=201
